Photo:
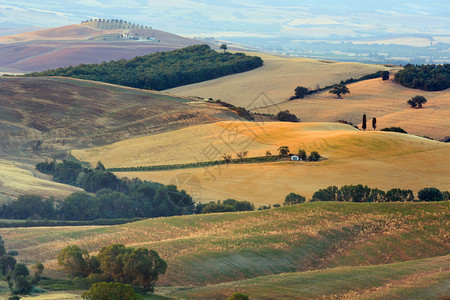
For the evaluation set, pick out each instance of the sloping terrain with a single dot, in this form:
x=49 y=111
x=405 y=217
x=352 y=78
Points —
x=278 y=78
x=17 y=179
x=382 y=160
x=79 y=44
x=217 y=248
x=383 y=100
x=49 y=116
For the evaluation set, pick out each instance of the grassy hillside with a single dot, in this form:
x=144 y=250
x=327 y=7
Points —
x=418 y=279
x=17 y=179
x=352 y=157
x=217 y=248
x=383 y=100
x=278 y=78
x=49 y=116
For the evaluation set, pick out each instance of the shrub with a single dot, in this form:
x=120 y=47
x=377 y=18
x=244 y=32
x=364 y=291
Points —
x=293 y=198
x=300 y=92
x=385 y=75
x=286 y=116
x=314 y=156
x=394 y=129
x=430 y=194
x=446 y=195
x=238 y=296
x=111 y=291
x=417 y=101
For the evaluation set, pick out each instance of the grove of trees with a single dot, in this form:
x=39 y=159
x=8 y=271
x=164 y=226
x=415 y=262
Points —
x=162 y=70
x=138 y=267
x=417 y=101
x=424 y=77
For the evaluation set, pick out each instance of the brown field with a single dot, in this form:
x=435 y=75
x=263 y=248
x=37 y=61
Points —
x=378 y=159
x=17 y=179
x=278 y=78
x=383 y=100
x=78 y=44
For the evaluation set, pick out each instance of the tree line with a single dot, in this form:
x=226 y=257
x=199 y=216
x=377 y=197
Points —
x=360 y=193
x=162 y=70
x=424 y=77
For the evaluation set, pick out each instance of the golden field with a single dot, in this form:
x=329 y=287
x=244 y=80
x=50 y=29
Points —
x=383 y=160
x=278 y=78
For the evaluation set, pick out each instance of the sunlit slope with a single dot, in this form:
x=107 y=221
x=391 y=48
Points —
x=16 y=179
x=379 y=99
x=215 y=248
x=379 y=159
x=418 y=279
x=278 y=78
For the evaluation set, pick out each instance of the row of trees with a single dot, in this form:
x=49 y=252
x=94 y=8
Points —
x=163 y=70
x=360 y=193
x=424 y=77
x=229 y=205
x=138 y=267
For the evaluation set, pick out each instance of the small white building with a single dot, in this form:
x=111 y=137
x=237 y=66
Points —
x=295 y=157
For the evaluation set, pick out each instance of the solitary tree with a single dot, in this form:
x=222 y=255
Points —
x=283 y=151
x=364 y=122
x=227 y=158
x=224 y=47
x=286 y=116
x=111 y=291
x=417 y=101
x=300 y=92
x=293 y=198
x=314 y=156
x=374 y=123
x=339 y=89
x=302 y=154
x=241 y=155
x=385 y=75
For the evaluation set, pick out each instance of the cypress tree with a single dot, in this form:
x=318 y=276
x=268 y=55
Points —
x=364 y=123
x=374 y=123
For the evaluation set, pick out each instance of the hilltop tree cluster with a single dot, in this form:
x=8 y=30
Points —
x=138 y=267
x=113 y=24
x=163 y=70
x=424 y=77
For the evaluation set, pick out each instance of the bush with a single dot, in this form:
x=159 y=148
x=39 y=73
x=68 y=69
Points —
x=238 y=296
x=300 y=92
x=417 y=101
x=293 y=198
x=385 y=75
x=430 y=194
x=446 y=195
x=111 y=291
x=314 y=156
x=286 y=116
x=394 y=129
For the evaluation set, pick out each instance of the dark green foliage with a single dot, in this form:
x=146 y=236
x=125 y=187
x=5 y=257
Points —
x=163 y=70
x=79 y=206
x=229 y=205
x=7 y=264
x=242 y=112
x=67 y=172
x=364 y=122
x=424 y=77
x=19 y=281
x=360 y=193
x=394 y=129
x=2 y=247
x=399 y=195
x=111 y=291
x=29 y=206
x=339 y=89
x=139 y=267
x=13 y=252
x=100 y=166
x=46 y=168
x=300 y=92
x=53 y=223
x=293 y=198
x=15 y=297
x=286 y=116
x=238 y=296
x=417 y=101
x=38 y=268
x=75 y=261
x=430 y=194
x=385 y=75
x=446 y=195
x=374 y=123
x=302 y=154
x=224 y=47
x=314 y=156
x=283 y=151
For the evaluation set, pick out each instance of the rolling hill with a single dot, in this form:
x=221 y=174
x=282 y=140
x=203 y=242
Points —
x=43 y=117
x=80 y=44
x=382 y=160
x=277 y=79
x=210 y=249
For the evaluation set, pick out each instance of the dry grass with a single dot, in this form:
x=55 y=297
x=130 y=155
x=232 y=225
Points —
x=216 y=248
x=17 y=179
x=377 y=159
x=383 y=100
x=278 y=78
